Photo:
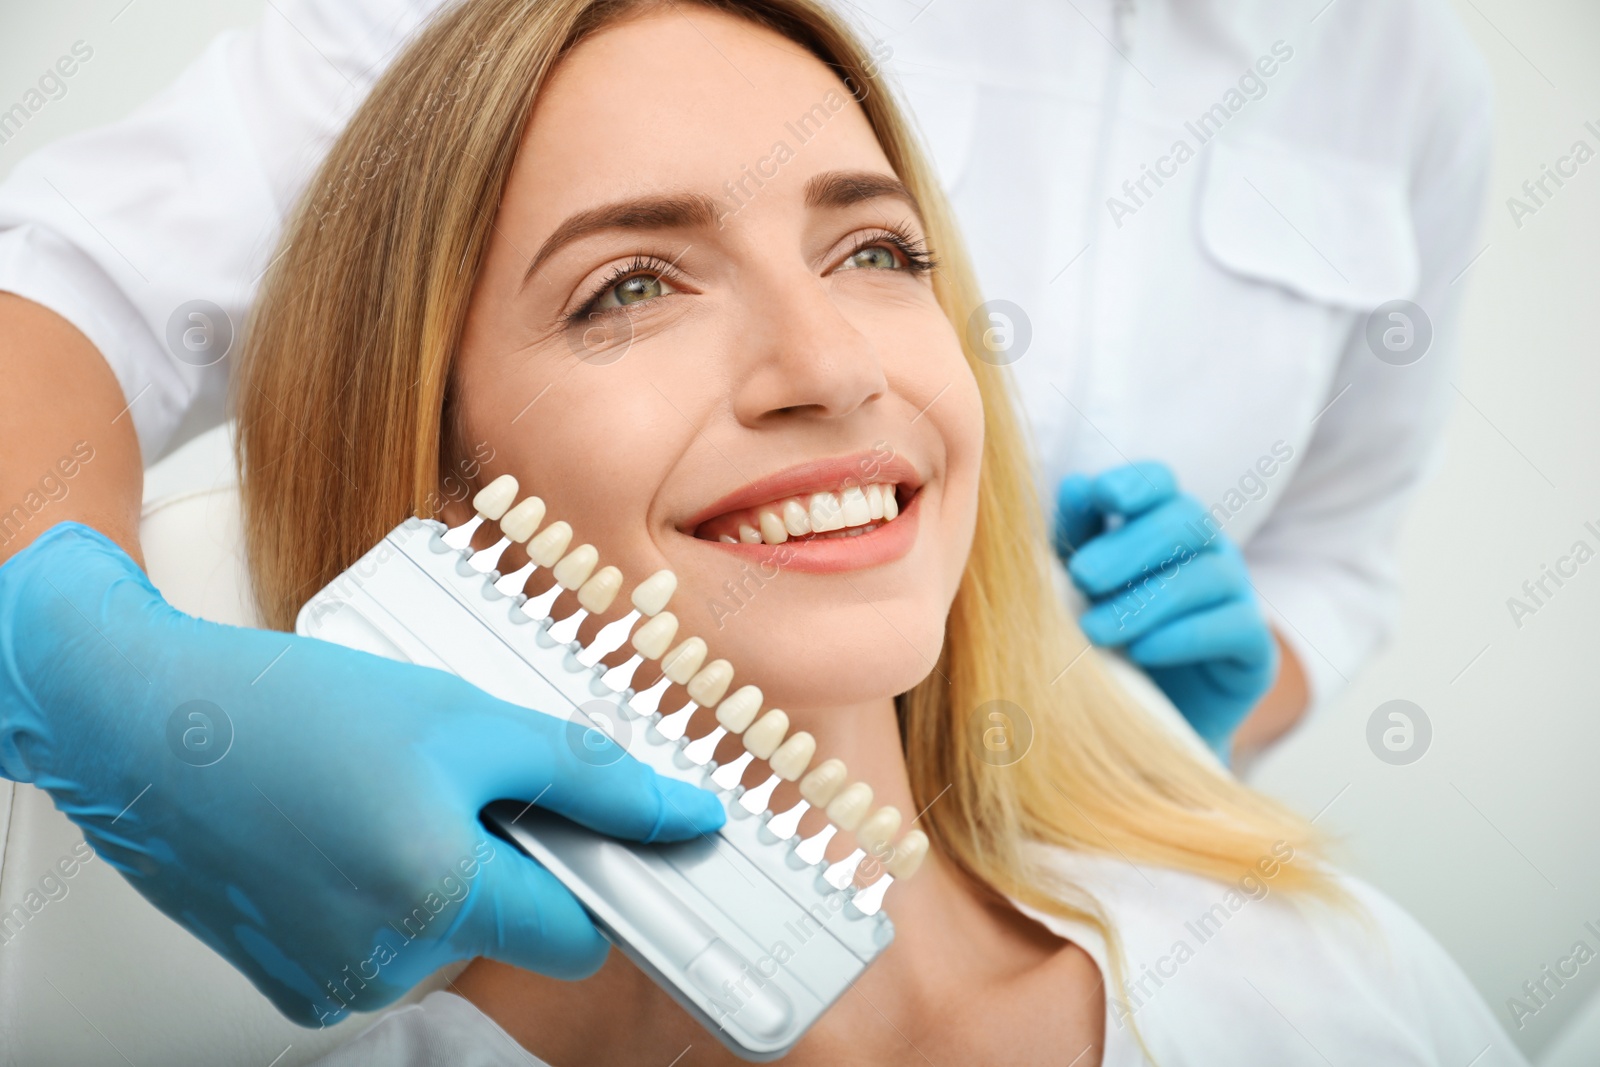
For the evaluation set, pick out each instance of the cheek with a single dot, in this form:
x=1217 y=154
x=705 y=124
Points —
x=594 y=442
x=961 y=427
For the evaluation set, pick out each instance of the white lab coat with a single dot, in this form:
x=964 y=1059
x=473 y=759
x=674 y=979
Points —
x=1214 y=321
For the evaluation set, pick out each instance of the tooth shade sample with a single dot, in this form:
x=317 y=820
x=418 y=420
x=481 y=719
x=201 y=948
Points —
x=773 y=532
x=850 y=806
x=519 y=523
x=550 y=545
x=652 y=594
x=710 y=682
x=600 y=590
x=763 y=739
x=652 y=639
x=796 y=519
x=826 y=515
x=793 y=756
x=739 y=710
x=823 y=783
x=854 y=507
x=875 y=501
x=493 y=499
x=908 y=854
x=749 y=534
x=876 y=829
x=683 y=661
x=891 y=507
x=573 y=569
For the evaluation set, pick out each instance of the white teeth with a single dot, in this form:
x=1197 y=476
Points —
x=520 y=522
x=826 y=514
x=651 y=595
x=495 y=498
x=817 y=513
x=875 y=501
x=796 y=519
x=773 y=531
x=651 y=639
x=853 y=506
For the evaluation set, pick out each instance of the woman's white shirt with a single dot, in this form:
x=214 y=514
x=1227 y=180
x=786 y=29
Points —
x=1215 y=974
x=1213 y=315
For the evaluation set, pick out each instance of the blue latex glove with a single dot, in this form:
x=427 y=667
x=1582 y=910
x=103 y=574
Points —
x=1170 y=589
x=316 y=821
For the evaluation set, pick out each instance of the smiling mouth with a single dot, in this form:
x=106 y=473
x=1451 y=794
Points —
x=807 y=517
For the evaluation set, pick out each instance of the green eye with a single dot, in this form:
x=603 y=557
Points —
x=633 y=290
x=874 y=257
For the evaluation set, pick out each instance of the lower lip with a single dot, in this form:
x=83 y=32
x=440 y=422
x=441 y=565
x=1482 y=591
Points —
x=832 y=555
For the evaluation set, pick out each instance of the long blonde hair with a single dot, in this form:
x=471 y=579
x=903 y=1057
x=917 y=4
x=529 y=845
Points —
x=342 y=401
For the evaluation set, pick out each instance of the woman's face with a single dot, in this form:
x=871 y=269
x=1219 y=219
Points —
x=705 y=313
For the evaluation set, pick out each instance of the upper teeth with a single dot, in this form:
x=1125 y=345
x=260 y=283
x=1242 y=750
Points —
x=817 y=513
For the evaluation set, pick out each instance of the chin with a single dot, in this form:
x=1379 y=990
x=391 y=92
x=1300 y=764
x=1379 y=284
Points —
x=844 y=655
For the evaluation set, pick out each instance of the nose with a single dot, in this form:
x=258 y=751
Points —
x=803 y=357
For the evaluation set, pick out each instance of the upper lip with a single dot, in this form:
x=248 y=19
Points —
x=817 y=476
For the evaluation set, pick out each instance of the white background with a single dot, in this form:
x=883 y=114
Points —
x=1490 y=838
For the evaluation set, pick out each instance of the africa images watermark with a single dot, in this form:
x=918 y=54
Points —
x=1544 y=987
x=1537 y=592
x=52 y=488
x=802 y=129
x=1205 y=927
x=344 y=988
x=1251 y=486
x=52 y=886
x=51 y=85
x=1252 y=86
x=1538 y=190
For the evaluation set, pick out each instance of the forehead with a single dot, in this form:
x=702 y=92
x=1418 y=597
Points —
x=686 y=99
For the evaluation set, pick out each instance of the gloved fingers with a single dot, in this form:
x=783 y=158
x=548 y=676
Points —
x=1132 y=490
x=1163 y=596
x=518 y=913
x=1172 y=531
x=1077 y=519
x=1234 y=630
x=573 y=768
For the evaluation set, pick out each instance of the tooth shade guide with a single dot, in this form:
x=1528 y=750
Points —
x=445 y=596
x=759 y=798
x=611 y=636
x=814 y=848
x=786 y=823
x=674 y=726
x=842 y=873
x=565 y=630
x=512 y=584
x=728 y=775
x=869 y=901
x=647 y=702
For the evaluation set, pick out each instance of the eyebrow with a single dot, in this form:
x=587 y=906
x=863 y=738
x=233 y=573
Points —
x=834 y=189
x=846 y=188
x=671 y=212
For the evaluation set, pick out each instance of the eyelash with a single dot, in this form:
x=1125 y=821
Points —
x=918 y=260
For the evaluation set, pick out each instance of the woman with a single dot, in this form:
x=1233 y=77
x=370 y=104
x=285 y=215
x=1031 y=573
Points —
x=681 y=265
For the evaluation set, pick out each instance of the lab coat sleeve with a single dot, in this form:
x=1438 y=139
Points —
x=118 y=229
x=1324 y=563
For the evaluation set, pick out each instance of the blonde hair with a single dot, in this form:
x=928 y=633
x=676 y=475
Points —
x=342 y=410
